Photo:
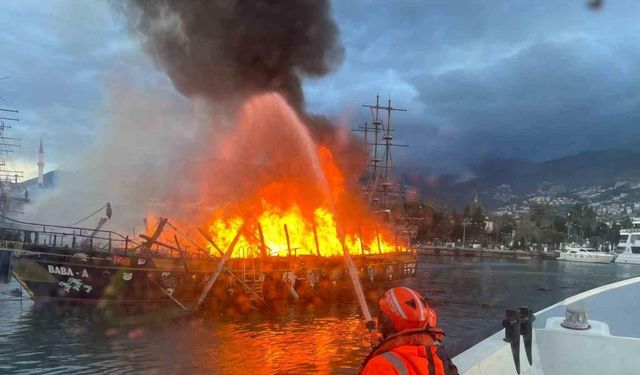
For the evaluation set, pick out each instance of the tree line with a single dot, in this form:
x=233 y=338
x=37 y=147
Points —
x=542 y=226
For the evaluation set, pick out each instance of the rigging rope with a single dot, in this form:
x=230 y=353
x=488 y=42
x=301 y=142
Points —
x=90 y=215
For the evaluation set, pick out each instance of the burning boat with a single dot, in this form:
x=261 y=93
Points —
x=55 y=263
x=294 y=226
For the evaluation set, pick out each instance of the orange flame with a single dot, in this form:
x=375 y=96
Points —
x=287 y=190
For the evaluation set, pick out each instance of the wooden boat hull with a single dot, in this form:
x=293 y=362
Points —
x=60 y=275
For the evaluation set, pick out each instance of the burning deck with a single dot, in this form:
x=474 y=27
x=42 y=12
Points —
x=56 y=263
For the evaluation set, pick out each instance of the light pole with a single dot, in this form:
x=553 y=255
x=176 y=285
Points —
x=568 y=226
x=465 y=221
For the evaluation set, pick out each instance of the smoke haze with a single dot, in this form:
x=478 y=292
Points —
x=224 y=49
x=137 y=162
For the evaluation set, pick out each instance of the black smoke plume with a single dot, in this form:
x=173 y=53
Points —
x=222 y=49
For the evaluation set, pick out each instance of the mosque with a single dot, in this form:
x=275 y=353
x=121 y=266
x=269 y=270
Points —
x=34 y=186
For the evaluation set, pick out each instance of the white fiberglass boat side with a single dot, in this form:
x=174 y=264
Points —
x=610 y=345
x=629 y=246
x=583 y=255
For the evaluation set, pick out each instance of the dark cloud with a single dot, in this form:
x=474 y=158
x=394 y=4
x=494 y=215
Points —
x=547 y=100
x=487 y=79
x=532 y=79
x=218 y=49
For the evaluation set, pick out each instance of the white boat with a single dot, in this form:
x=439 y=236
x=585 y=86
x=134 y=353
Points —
x=594 y=332
x=629 y=246
x=585 y=254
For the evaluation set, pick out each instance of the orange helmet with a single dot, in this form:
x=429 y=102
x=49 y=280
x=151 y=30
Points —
x=407 y=309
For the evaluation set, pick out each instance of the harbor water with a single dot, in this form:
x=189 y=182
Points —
x=470 y=295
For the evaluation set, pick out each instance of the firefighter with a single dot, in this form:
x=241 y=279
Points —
x=411 y=341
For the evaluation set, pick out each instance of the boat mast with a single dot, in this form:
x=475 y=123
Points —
x=378 y=186
x=9 y=178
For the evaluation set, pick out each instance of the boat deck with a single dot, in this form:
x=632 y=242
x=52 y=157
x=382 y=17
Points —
x=610 y=346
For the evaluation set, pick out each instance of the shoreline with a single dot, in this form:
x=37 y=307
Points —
x=485 y=253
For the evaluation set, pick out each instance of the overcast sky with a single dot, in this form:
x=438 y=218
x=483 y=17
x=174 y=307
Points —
x=481 y=79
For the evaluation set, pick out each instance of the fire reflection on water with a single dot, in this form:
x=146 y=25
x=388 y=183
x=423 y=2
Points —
x=316 y=346
x=328 y=338
x=302 y=339
x=331 y=342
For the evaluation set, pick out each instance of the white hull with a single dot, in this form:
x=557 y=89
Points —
x=610 y=346
x=605 y=258
x=628 y=248
x=628 y=258
x=576 y=254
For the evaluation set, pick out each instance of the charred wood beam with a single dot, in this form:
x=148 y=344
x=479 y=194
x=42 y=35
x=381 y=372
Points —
x=263 y=246
x=197 y=246
x=286 y=234
x=89 y=239
x=208 y=253
x=210 y=240
x=184 y=261
x=315 y=238
x=219 y=267
x=253 y=237
x=154 y=237
x=168 y=295
x=158 y=242
x=230 y=272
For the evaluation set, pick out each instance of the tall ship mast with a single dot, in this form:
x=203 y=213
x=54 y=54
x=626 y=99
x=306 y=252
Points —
x=12 y=195
x=381 y=191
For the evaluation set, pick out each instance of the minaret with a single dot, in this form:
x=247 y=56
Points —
x=40 y=165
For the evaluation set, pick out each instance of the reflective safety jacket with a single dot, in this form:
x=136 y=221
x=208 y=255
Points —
x=414 y=352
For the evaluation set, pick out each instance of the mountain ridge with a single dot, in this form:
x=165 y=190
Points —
x=521 y=177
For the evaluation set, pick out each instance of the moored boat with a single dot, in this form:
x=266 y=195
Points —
x=629 y=245
x=586 y=255
x=66 y=264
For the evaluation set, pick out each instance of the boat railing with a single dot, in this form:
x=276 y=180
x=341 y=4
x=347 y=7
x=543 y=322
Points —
x=11 y=244
x=629 y=230
x=16 y=234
